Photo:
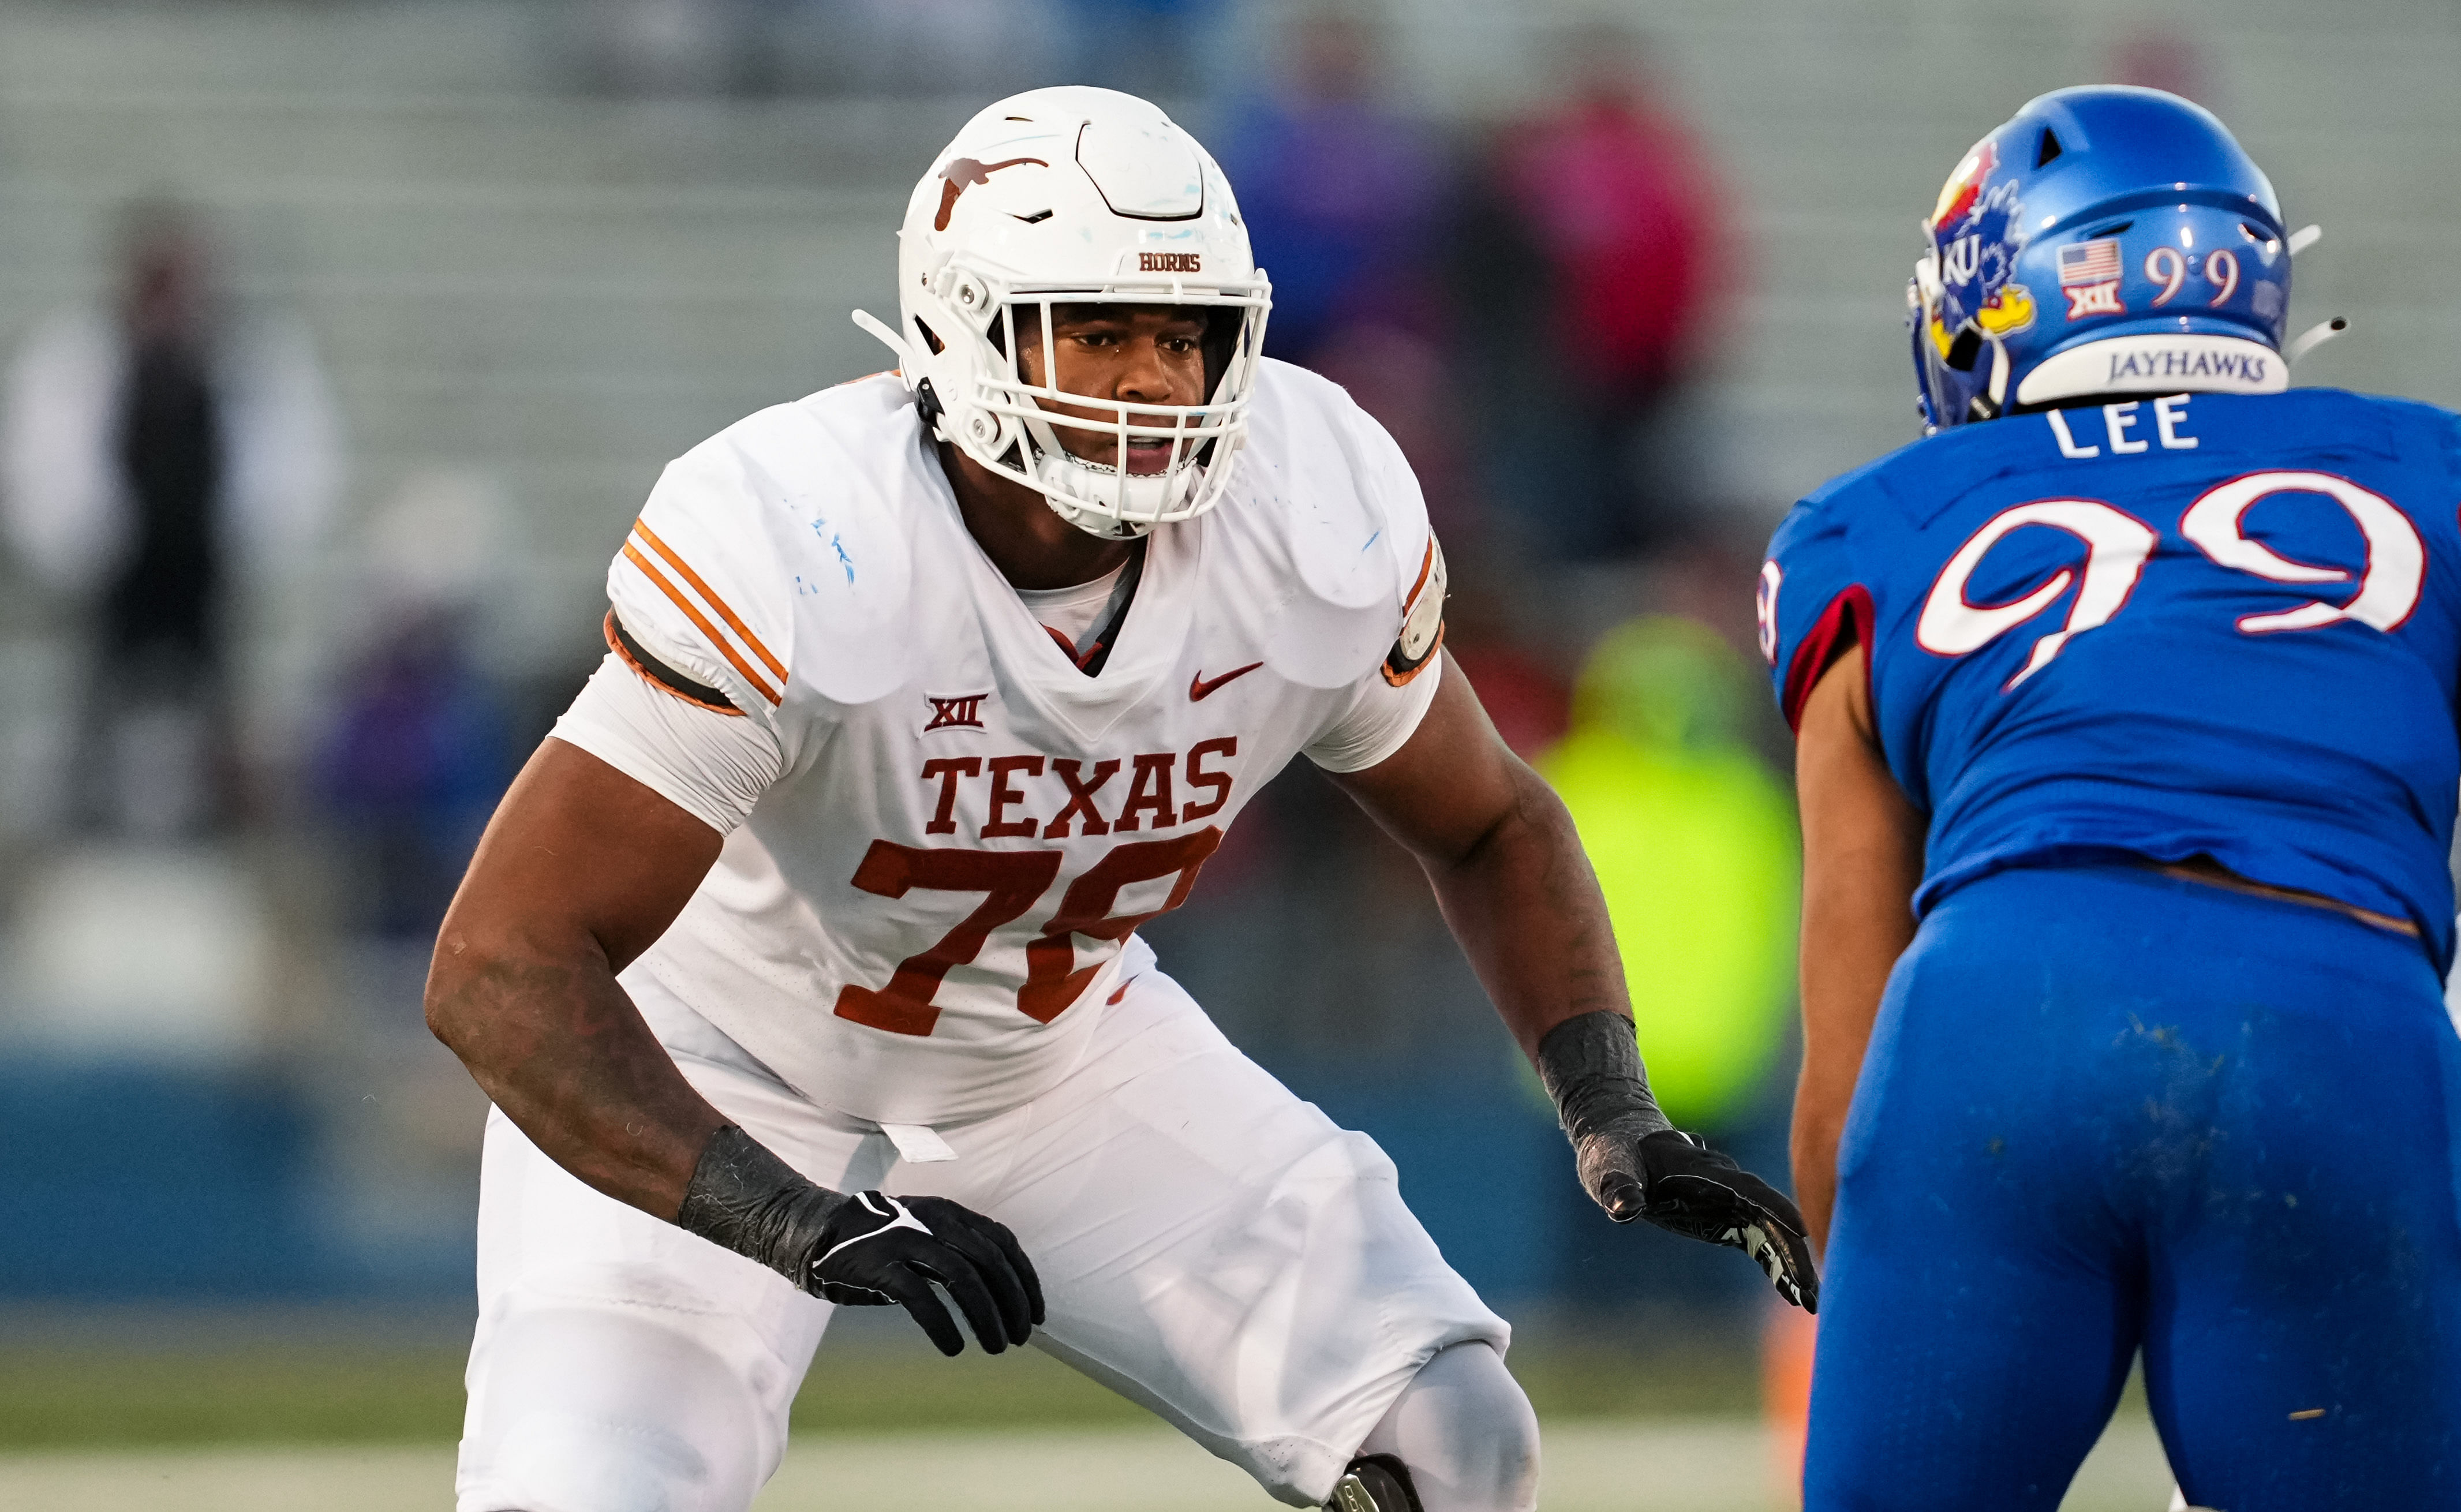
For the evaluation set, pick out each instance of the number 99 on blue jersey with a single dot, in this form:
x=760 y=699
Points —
x=2213 y=625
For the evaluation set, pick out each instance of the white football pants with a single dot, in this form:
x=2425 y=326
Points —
x=1208 y=1244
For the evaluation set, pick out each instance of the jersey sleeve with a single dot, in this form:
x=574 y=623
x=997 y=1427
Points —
x=1813 y=606
x=2448 y=431
x=1375 y=720
x=1384 y=708
x=698 y=586
x=711 y=765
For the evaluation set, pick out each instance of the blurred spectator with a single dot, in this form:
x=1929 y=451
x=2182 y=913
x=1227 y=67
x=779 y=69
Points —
x=417 y=761
x=1711 y=578
x=156 y=459
x=1346 y=201
x=1145 y=47
x=1523 y=695
x=1343 y=195
x=1403 y=379
x=1694 y=842
x=1588 y=269
x=421 y=744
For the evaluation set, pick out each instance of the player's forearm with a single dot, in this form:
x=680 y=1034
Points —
x=556 y=1044
x=1813 y=1149
x=1862 y=860
x=1526 y=907
x=1856 y=921
x=579 y=872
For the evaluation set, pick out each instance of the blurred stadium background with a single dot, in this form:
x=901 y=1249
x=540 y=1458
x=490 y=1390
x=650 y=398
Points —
x=360 y=327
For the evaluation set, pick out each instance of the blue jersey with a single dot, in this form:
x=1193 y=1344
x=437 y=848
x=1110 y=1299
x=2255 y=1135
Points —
x=2215 y=624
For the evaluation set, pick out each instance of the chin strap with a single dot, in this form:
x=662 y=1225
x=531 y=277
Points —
x=1987 y=405
x=926 y=403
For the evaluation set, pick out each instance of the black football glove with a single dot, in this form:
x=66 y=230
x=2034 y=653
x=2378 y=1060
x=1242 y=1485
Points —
x=1676 y=1181
x=867 y=1250
x=1636 y=1165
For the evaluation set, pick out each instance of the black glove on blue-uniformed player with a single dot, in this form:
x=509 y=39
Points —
x=870 y=1249
x=1636 y=1164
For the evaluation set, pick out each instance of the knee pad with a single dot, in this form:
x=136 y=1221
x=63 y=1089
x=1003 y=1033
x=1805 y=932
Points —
x=557 y=1461
x=588 y=1410
x=1462 y=1437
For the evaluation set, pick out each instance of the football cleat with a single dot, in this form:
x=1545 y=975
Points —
x=1373 y=1483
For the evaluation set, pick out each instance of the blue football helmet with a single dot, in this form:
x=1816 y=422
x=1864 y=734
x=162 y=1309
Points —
x=2108 y=239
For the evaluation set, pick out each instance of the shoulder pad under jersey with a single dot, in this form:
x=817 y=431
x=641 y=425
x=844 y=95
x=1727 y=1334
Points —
x=772 y=559
x=1355 y=528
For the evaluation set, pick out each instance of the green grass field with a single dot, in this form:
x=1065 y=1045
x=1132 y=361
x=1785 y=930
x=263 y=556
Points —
x=1667 y=1466
x=250 y=1416
x=60 y=1394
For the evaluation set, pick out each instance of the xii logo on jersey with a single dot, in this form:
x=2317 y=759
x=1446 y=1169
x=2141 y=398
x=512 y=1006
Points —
x=2090 y=276
x=964 y=711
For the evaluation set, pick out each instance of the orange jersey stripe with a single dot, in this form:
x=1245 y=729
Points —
x=1426 y=564
x=624 y=653
x=684 y=569
x=649 y=569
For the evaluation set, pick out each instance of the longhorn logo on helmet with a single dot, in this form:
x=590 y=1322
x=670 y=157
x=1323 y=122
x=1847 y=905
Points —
x=963 y=173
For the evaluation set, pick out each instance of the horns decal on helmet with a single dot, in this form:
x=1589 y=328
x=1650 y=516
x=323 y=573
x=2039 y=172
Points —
x=1129 y=212
x=962 y=172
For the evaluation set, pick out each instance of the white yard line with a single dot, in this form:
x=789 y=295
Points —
x=1666 y=1466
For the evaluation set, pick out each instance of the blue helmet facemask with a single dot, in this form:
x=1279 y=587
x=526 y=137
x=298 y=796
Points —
x=2107 y=240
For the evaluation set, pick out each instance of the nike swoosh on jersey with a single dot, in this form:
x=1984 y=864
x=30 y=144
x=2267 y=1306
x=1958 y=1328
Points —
x=1199 y=689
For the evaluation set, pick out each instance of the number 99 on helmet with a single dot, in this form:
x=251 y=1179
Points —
x=1064 y=197
x=2107 y=240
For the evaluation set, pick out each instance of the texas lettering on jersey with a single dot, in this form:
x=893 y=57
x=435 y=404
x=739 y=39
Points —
x=920 y=917
x=1008 y=808
x=1013 y=882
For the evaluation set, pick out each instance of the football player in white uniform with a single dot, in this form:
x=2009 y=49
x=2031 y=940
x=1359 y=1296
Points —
x=801 y=963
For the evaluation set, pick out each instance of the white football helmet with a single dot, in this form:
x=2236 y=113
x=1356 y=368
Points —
x=1072 y=196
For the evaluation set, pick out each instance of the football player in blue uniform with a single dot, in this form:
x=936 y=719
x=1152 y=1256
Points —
x=2126 y=708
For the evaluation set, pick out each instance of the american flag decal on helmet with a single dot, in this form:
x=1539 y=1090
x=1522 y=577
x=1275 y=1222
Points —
x=2089 y=262
x=2090 y=276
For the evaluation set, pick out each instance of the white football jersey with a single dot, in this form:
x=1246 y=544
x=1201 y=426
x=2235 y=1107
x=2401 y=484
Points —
x=923 y=913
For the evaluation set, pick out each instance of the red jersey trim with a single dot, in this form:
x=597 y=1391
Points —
x=1848 y=621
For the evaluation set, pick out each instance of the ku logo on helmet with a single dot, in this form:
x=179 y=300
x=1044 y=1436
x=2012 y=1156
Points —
x=1975 y=226
x=2162 y=278
x=1964 y=185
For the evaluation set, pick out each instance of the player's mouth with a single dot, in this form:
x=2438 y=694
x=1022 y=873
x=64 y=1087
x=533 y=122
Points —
x=1148 y=455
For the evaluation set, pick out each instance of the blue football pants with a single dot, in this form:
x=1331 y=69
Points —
x=2106 y=1108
